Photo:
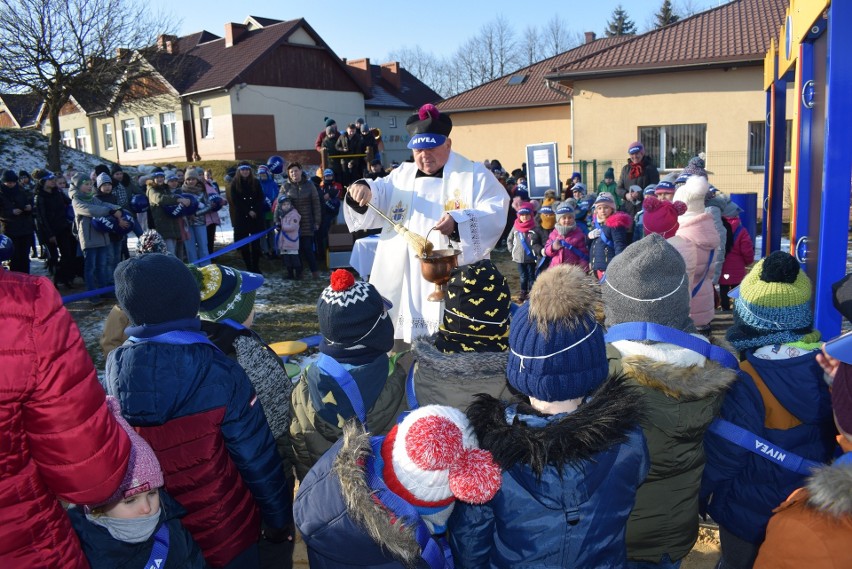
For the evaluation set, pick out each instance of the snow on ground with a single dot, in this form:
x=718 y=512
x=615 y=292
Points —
x=27 y=150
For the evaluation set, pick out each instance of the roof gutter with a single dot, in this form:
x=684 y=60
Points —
x=610 y=72
x=502 y=108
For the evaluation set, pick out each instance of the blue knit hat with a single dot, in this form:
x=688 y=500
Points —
x=577 y=175
x=564 y=209
x=152 y=289
x=556 y=347
x=605 y=198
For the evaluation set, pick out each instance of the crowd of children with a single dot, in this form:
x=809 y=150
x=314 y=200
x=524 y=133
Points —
x=592 y=427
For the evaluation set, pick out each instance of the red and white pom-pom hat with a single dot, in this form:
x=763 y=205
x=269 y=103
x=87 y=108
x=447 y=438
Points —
x=432 y=457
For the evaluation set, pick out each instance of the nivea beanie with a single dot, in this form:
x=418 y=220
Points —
x=556 y=346
x=353 y=320
x=648 y=283
x=155 y=288
x=774 y=305
x=476 y=310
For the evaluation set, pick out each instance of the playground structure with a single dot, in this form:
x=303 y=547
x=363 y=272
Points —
x=809 y=54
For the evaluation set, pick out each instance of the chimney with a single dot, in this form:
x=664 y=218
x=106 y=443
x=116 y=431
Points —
x=166 y=43
x=234 y=33
x=360 y=69
x=121 y=52
x=590 y=37
x=390 y=73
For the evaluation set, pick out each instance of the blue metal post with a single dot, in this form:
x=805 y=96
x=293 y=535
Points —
x=803 y=174
x=764 y=203
x=779 y=150
x=837 y=168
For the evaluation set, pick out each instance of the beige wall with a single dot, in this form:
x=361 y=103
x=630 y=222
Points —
x=70 y=122
x=153 y=106
x=394 y=136
x=221 y=145
x=98 y=137
x=505 y=134
x=299 y=113
x=609 y=112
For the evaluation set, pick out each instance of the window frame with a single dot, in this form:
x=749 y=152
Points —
x=128 y=130
x=81 y=139
x=109 y=137
x=148 y=129
x=66 y=139
x=760 y=126
x=206 y=116
x=660 y=155
x=169 y=129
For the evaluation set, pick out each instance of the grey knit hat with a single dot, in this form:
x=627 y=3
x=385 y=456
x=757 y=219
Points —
x=648 y=283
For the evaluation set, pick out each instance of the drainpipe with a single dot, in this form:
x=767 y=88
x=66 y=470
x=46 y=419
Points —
x=188 y=103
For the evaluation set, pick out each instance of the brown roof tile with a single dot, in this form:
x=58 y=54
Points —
x=739 y=31
x=533 y=91
x=201 y=61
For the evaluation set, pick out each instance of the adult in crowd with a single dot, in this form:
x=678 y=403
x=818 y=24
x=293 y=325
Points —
x=639 y=170
x=59 y=440
x=211 y=218
x=16 y=220
x=781 y=397
x=54 y=228
x=572 y=451
x=330 y=193
x=304 y=196
x=681 y=392
x=270 y=193
x=443 y=190
x=248 y=208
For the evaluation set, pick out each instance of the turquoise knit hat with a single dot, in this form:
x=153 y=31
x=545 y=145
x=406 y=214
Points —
x=774 y=305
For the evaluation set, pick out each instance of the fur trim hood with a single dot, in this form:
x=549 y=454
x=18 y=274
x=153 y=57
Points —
x=394 y=535
x=599 y=423
x=830 y=489
x=688 y=383
x=619 y=219
x=460 y=367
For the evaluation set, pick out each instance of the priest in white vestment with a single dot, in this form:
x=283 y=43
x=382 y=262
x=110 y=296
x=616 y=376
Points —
x=462 y=200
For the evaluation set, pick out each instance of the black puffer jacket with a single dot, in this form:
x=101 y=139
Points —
x=12 y=224
x=51 y=210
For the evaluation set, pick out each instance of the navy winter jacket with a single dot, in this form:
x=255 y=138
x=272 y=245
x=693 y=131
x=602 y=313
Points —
x=613 y=240
x=105 y=552
x=742 y=487
x=199 y=412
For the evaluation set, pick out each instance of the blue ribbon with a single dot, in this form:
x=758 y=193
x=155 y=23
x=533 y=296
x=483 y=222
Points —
x=704 y=276
x=107 y=289
x=574 y=249
x=347 y=383
x=761 y=447
x=160 y=551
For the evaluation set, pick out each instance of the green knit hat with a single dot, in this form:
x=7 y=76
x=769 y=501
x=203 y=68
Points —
x=226 y=293
x=773 y=305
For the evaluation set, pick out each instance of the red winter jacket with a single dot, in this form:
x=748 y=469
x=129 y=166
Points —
x=58 y=441
x=740 y=256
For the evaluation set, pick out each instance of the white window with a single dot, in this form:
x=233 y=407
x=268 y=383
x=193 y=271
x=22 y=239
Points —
x=169 y=126
x=67 y=140
x=128 y=128
x=81 y=139
x=149 y=132
x=206 y=122
x=757 y=144
x=392 y=122
x=672 y=146
x=109 y=142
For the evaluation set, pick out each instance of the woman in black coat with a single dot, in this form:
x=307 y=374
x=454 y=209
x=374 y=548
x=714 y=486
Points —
x=248 y=207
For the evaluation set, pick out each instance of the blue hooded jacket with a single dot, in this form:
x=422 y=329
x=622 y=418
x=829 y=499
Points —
x=739 y=488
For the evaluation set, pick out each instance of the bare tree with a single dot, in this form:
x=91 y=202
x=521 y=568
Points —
x=56 y=48
x=556 y=36
x=531 y=46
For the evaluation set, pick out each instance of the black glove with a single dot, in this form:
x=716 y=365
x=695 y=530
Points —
x=279 y=535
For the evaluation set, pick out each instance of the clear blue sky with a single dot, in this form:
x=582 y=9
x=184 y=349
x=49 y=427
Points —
x=439 y=26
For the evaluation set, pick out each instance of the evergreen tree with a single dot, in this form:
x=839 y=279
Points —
x=620 y=24
x=665 y=16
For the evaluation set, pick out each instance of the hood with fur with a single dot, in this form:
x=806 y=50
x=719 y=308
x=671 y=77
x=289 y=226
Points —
x=686 y=383
x=619 y=219
x=395 y=536
x=453 y=379
x=830 y=489
x=600 y=422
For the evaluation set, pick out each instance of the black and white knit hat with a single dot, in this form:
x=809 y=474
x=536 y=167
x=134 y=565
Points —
x=353 y=318
x=476 y=310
